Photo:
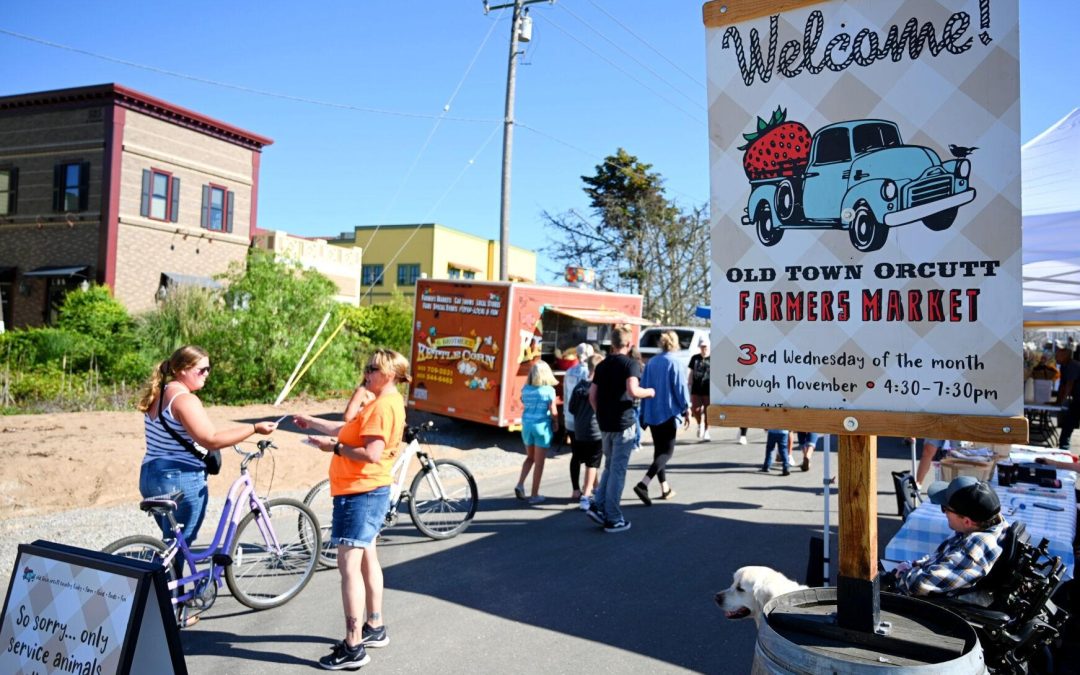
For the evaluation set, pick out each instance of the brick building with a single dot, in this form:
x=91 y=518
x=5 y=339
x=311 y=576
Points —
x=107 y=184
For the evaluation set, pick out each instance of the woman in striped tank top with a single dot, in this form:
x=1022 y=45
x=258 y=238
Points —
x=169 y=398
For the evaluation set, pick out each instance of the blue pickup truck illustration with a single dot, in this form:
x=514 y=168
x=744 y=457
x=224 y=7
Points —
x=856 y=176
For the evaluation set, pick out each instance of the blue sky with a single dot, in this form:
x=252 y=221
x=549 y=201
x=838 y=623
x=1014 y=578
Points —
x=599 y=74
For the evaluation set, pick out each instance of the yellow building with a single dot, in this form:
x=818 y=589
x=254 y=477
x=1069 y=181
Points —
x=395 y=256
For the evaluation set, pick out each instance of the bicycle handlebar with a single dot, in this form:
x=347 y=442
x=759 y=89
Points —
x=262 y=446
x=414 y=432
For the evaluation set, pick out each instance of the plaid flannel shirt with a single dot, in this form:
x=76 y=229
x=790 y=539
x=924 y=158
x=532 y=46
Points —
x=959 y=562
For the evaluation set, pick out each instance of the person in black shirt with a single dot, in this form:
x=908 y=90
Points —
x=699 y=389
x=614 y=390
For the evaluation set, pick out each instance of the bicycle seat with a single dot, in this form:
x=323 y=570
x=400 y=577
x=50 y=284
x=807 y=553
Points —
x=161 y=504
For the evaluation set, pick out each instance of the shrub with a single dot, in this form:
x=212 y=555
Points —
x=98 y=317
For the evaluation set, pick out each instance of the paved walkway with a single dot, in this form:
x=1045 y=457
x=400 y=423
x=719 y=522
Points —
x=543 y=590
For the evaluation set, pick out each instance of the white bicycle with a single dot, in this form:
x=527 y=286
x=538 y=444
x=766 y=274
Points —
x=442 y=496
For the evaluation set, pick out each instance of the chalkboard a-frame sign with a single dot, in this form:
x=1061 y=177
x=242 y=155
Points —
x=72 y=610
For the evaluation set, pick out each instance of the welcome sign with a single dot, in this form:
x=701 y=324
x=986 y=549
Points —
x=865 y=196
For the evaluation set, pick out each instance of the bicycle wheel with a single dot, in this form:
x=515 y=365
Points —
x=320 y=502
x=445 y=514
x=139 y=547
x=263 y=575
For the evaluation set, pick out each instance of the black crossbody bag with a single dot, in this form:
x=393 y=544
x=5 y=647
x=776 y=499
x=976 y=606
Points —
x=211 y=458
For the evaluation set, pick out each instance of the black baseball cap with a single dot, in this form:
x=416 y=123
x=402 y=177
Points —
x=967 y=496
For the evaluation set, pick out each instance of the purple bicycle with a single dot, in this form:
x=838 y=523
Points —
x=266 y=552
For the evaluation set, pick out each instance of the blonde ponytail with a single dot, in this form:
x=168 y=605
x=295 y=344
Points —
x=182 y=358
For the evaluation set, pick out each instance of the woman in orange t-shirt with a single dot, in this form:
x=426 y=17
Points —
x=364 y=450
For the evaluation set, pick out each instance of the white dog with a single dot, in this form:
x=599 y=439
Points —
x=751 y=589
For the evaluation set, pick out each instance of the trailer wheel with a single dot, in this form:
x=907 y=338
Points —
x=767 y=231
x=866 y=233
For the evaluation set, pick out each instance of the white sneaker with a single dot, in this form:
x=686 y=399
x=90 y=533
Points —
x=583 y=503
x=742 y=440
x=700 y=430
x=705 y=436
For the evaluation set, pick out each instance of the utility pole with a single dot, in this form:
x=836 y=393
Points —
x=516 y=24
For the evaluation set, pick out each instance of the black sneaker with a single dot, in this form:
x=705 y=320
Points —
x=374 y=637
x=595 y=514
x=785 y=472
x=764 y=469
x=342 y=657
x=642 y=492
x=617 y=526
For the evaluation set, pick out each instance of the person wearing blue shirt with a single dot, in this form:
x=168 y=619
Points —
x=539 y=422
x=661 y=412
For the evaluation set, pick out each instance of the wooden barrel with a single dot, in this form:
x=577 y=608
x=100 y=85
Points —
x=799 y=634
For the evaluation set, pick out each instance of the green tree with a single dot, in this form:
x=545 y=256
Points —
x=271 y=310
x=638 y=241
x=98 y=317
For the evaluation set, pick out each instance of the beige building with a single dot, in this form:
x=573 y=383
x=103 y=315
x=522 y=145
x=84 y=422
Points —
x=108 y=184
x=395 y=256
x=338 y=263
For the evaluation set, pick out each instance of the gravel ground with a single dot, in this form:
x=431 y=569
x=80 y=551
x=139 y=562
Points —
x=485 y=450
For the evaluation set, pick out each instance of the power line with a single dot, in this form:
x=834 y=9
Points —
x=438 y=122
x=588 y=153
x=646 y=43
x=238 y=87
x=696 y=101
x=625 y=72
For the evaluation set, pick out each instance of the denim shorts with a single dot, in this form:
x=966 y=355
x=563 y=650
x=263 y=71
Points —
x=358 y=518
x=807 y=438
x=537 y=433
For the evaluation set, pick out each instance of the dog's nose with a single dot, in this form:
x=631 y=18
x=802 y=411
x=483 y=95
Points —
x=719 y=598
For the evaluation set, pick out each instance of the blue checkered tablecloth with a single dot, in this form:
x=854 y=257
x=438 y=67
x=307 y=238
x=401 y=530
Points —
x=926 y=526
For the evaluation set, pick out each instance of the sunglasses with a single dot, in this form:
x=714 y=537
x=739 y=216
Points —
x=371 y=369
x=205 y=370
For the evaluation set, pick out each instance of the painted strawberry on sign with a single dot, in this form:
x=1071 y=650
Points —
x=776 y=148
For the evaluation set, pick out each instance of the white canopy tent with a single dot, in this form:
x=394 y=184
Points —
x=1051 y=221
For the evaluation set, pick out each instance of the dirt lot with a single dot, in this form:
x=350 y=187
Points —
x=58 y=462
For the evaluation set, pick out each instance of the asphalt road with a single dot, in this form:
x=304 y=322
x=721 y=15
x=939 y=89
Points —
x=544 y=590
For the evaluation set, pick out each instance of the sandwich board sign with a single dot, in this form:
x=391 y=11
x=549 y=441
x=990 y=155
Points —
x=865 y=204
x=70 y=610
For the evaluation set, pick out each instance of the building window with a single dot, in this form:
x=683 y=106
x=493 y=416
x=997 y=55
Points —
x=9 y=190
x=160 y=195
x=460 y=273
x=407 y=274
x=371 y=275
x=217 y=208
x=71 y=186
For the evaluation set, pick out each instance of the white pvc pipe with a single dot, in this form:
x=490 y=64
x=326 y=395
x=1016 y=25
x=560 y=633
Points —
x=288 y=383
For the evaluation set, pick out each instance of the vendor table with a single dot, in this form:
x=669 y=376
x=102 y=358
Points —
x=1042 y=423
x=926 y=527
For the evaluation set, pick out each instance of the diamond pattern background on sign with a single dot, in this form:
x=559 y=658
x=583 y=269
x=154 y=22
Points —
x=90 y=609
x=969 y=99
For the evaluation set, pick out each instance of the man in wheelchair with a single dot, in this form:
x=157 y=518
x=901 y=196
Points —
x=990 y=575
x=974 y=513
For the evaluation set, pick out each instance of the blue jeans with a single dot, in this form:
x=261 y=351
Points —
x=780 y=442
x=162 y=476
x=617 y=447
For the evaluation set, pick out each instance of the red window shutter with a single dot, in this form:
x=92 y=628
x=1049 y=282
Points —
x=205 y=218
x=84 y=186
x=144 y=205
x=13 y=196
x=58 y=188
x=174 y=206
x=230 y=197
